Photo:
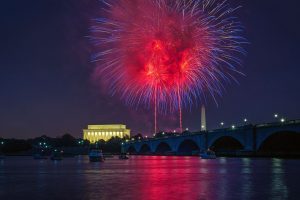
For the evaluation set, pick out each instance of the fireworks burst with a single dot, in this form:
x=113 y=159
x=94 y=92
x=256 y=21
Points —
x=167 y=53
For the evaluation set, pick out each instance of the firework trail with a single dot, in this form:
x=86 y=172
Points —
x=167 y=53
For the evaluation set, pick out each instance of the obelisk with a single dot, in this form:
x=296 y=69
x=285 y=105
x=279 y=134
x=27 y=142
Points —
x=203 y=118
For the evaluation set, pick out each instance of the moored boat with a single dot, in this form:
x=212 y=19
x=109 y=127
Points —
x=209 y=154
x=123 y=156
x=56 y=155
x=40 y=155
x=96 y=155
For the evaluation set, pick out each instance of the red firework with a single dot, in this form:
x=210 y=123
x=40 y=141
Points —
x=166 y=52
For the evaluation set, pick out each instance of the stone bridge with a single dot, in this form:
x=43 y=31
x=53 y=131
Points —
x=250 y=138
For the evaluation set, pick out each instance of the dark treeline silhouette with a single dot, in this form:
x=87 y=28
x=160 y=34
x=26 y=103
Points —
x=11 y=146
x=22 y=145
x=113 y=145
x=14 y=145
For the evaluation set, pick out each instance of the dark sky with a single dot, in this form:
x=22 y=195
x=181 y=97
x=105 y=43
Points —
x=45 y=77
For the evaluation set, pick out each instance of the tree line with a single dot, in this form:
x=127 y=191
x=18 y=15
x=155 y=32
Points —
x=8 y=146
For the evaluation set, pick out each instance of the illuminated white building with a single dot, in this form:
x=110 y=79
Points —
x=95 y=133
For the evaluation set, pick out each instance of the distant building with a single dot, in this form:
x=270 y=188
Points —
x=95 y=133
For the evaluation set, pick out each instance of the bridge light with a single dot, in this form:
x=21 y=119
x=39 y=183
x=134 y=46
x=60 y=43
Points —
x=276 y=115
x=282 y=120
x=233 y=126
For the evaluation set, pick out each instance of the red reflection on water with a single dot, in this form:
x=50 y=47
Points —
x=166 y=176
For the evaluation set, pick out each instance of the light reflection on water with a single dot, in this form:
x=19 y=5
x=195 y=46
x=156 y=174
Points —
x=149 y=178
x=278 y=186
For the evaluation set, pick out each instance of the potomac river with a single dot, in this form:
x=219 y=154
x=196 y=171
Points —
x=150 y=177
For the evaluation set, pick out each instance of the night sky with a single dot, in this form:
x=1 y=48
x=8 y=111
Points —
x=46 y=85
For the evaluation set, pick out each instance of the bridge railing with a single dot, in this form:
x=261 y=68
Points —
x=289 y=122
x=238 y=128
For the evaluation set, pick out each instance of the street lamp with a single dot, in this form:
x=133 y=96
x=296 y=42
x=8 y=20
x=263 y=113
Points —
x=233 y=126
x=187 y=129
x=275 y=115
x=222 y=123
x=282 y=120
x=245 y=120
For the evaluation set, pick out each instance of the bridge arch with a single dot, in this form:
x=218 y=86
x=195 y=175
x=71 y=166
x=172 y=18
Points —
x=226 y=143
x=188 y=147
x=163 y=147
x=281 y=142
x=145 y=148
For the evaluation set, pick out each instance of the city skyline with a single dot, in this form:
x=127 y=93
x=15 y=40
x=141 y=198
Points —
x=46 y=86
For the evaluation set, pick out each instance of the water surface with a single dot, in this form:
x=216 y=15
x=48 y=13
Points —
x=150 y=178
